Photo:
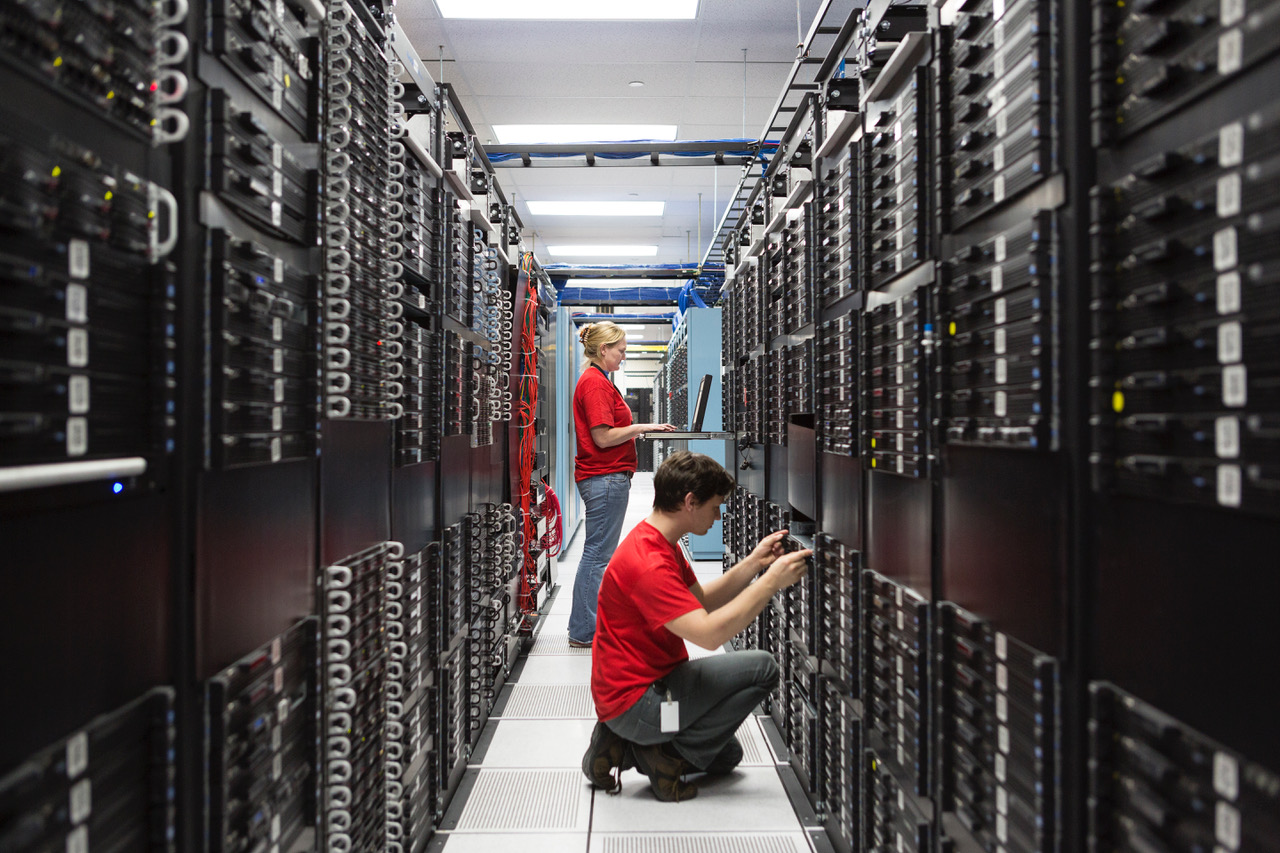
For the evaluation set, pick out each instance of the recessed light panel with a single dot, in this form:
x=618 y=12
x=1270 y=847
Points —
x=562 y=134
x=603 y=251
x=571 y=10
x=596 y=208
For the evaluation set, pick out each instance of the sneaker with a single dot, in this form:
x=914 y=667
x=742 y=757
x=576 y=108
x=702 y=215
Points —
x=578 y=644
x=606 y=753
x=730 y=756
x=664 y=767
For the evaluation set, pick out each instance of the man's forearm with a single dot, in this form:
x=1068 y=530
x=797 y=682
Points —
x=723 y=589
x=733 y=617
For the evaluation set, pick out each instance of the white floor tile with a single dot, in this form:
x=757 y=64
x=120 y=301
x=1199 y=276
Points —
x=557 y=669
x=532 y=800
x=522 y=840
x=750 y=799
x=539 y=743
x=700 y=842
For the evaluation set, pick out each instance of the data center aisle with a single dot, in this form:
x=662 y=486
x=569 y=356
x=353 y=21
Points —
x=525 y=789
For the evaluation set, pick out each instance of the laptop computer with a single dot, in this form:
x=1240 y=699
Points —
x=695 y=430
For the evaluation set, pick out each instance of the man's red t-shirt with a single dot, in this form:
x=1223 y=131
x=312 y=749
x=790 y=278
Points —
x=596 y=402
x=645 y=586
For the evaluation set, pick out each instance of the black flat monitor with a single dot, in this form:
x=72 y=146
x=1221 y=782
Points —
x=700 y=407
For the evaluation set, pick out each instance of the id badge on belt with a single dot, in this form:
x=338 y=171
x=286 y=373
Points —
x=670 y=721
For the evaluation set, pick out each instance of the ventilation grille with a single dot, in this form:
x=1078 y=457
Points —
x=550 y=702
x=555 y=644
x=704 y=843
x=755 y=752
x=524 y=799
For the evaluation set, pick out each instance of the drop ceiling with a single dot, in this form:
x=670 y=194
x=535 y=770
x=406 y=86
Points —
x=578 y=72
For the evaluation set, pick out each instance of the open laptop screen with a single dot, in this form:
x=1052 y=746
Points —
x=700 y=408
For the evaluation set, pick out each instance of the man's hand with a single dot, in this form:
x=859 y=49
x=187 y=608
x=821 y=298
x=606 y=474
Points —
x=788 y=569
x=769 y=549
x=658 y=428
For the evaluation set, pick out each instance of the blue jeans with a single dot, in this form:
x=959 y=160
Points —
x=715 y=693
x=605 y=497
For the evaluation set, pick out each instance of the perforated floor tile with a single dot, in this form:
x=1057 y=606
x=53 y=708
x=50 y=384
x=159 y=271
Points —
x=549 y=702
x=527 y=800
x=700 y=842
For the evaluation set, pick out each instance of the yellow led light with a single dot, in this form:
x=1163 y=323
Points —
x=1117 y=401
x=151 y=214
x=952 y=327
x=107 y=197
x=873 y=463
x=57 y=170
x=57 y=62
x=287 y=81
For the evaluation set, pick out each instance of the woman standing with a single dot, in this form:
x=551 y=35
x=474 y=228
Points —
x=605 y=461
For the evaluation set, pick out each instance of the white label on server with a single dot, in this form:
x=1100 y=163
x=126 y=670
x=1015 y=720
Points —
x=77 y=303
x=1002 y=646
x=897 y=596
x=997 y=10
x=1001 y=310
x=78 y=754
x=1231 y=145
x=277 y=360
x=1226 y=436
x=1230 y=52
x=997 y=189
x=278 y=390
x=277 y=213
x=999 y=35
x=897 y=262
x=1002 y=123
x=899 y=442
x=81 y=800
x=1002 y=828
x=1230 y=486
x=1230 y=343
x=902 y=733
x=277 y=418
x=278 y=270
x=1232 y=12
x=897 y=306
x=1226 y=776
x=277 y=96
x=902 y=333
x=78 y=840
x=78 y=259
x=900 y=685
x=898 y=351
x=902 y=759
x=277 y=184
x=898 y=374
x=276 y=452
x=1229 y=293
x=1228 y=195
x=277 y=329
x=901 y=620
x=277 y=155
x=275 y=827
x=1002 y=676
x=78 y=395
x=77 y=436
x=277 y=738
x=997 y=279
x=1235 y=386
x=282 y=710
x=77 y=347
x=898 y=659
x=1225 y=255
x=1001 y=341
x=277 y=766
x=1001 y=404
x=1001 y=248
x=1226 y=825
x=902 y=709
x=901 y=396
x=1002 y=768
x=277 y=679
x=1002 y=800
x=998 y=64
x=997 y=153
x=898 y=418
x=1002 y=708
x=1002 y=739
x=1002 y=371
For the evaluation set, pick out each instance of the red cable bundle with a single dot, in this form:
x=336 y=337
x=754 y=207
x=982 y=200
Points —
x=526 y=423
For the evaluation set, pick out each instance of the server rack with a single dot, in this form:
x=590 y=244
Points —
x=1039 y=354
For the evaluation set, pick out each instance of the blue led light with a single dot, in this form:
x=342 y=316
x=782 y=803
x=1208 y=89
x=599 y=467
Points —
x=117 y=488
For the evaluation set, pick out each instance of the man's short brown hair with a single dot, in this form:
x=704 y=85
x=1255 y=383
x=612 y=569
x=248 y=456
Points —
x=683 y=472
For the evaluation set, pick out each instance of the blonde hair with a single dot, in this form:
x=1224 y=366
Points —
x=596 y=335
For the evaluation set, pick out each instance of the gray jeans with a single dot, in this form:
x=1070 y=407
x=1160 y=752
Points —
x=715 y=693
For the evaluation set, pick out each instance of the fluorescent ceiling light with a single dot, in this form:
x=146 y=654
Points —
x=603 y=251
x=570 y=10
x=596 y=208
x=567 y=134
x=615 y=282
x=635 y=336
